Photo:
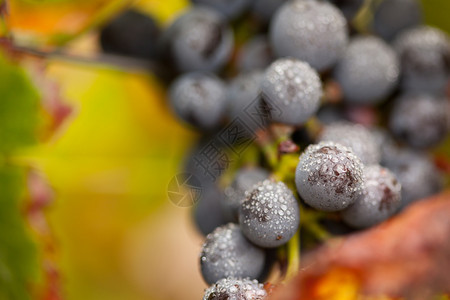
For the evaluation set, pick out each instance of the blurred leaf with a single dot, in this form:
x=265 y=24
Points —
x=18 y=259
x=56 y=22
x=18 y=108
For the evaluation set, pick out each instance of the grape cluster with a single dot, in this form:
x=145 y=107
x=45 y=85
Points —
x=320 y=117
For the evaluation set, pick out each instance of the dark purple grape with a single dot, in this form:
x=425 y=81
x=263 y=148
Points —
x=244 y=96
x=394 y=16
x=425 y=59
x=269 y=216
x=312 y=31
x=256 y=54
x=354 y=136
x=329 y=176
x=208 y=212
x=420 y=120
x=368 y=71
x=132 y=33
x=199 y=99
x=229 y=8
x=348 y=7
x=244 y=180
x=417 y=175
x=236 y=289
x=265 y=9
x=380 y=199
x=292 y=89
x=199 y=40
x=227 y=253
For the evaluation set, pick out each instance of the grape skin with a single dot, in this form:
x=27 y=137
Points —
x=208 y=212
x=226 y=252
x=256 y=54
x=199 y=40
x=244 y=93
x=133 y=34
x=417 y=175
x=230 y=8
x=354 y=136
x=381 y=198
x=269 y=216
x=329 y=177
x=312 y=31
x=391 y=17
x=199 y=99
x=420 y=120
x=348 y=7
x=292 y=89
x=424 y=53
x=244 y=180
x=368 y=71
x=235 y=289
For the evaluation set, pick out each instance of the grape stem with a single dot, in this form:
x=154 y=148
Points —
x=293 y=256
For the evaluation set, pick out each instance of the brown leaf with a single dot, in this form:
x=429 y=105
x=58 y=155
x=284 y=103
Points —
x=407 y=256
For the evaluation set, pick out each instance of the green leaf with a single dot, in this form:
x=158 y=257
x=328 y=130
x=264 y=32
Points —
x=19 y=108
x=18 y=255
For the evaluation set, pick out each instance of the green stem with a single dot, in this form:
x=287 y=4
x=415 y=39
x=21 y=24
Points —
x=317 y=230
x=293 y=256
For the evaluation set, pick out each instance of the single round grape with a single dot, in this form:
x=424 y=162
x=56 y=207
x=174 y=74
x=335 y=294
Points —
x=244 y=180
x=244 y=95
x=292 y=90
x=420 y=120
x=394 y=16
x=236 y=289
x=329 y=177
x=354 y=136
x=417 y=175
x=269 y=216
x=208 y=159
x=313 y=31
x=425 y=57
x=386 y=144
x=199 y=40
x=133 y=34
x=226 y=252
x=265 y=9
x=229 y=8
x=348 y=7
x=208 y=212
x=368 y=71
x=199 y=99
x=256 y=54
x=380 y=199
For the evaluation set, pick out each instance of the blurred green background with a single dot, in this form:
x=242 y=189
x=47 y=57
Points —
x=117 y=236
